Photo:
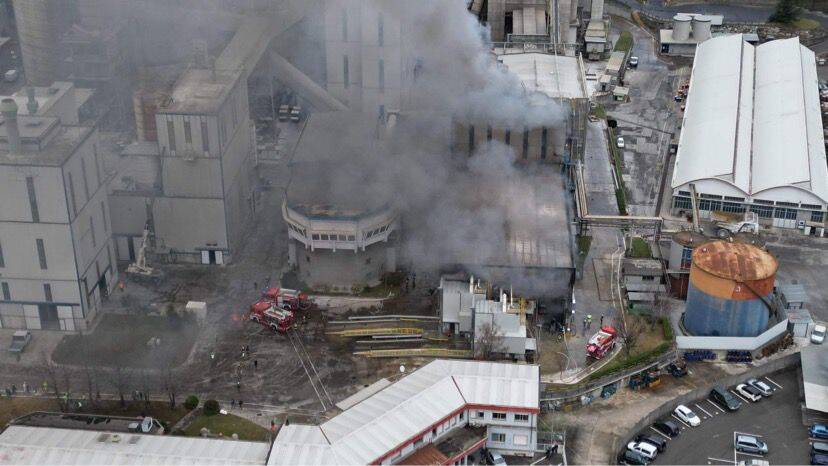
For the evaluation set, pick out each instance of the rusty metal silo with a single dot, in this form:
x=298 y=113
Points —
x=731 y=286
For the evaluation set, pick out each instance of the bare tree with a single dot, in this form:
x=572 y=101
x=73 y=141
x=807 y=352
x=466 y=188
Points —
x=120 y=379
x=488 y=342
x=630 y=331
x=661 y=309
x=52 y=377
x=170 y=383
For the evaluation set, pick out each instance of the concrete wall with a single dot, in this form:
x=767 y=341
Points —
x=343 y=269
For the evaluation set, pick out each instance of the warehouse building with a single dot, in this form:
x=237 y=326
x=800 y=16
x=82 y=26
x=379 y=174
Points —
x=549 y=81
x=446 y=412
x=56 y=254
x=752 y=136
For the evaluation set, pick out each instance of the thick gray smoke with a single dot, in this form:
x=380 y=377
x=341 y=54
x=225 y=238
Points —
x=455 y=209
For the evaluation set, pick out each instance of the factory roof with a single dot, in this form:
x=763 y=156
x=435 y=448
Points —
x=815 y=377
x=333 y=174
x=456 y=300
x=57 y=142
x=736 y=261
x=689 y=238
x=556 y=76
x=793 y=293
x=751 y=110
x=401 y=412
x=200 y=91
x=45 y=445
x=642 y=267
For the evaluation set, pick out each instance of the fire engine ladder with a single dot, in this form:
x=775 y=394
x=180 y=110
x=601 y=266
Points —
x=364 y=332
x=416 y=352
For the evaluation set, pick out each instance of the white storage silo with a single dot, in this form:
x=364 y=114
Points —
x=681 y=26
x=701 y=28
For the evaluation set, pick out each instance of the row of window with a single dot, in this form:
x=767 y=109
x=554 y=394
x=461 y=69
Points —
x=300 y=231
x=376 y=232
x=188 y=133
x=332 y=237
x=764 y=209
x=7 y=296
x=346 y=73
x=500 y=416
x=507 y=140
x=517 y=439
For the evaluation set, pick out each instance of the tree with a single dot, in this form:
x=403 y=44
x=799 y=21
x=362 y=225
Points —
x=488 y=342
x=120 y=378
x=661 y=310
x=786 y=12
x=211 y=407
x=51 y=377
x=629 y=333
x=191 y=402
x=171 y=385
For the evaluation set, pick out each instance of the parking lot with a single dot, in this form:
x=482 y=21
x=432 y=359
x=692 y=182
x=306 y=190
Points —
x=776 y=420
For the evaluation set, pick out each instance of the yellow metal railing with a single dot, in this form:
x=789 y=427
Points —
x=364 y=332
x=416 y=352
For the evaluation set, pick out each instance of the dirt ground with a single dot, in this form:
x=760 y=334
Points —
x=122 y=340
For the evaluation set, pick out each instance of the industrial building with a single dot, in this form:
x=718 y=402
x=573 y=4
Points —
x=689 y=30
x=445 y=412
x=465 y=309
x=682 y=245
x=750 y=111
x=26 y=445
x=203 y=133
x=730 y=291
x=342 y=227
x=57 y=261
x=596 y=43
x=548 y=80
x=643 y=282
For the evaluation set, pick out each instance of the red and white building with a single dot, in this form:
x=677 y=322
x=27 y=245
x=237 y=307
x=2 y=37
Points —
x=443 y=413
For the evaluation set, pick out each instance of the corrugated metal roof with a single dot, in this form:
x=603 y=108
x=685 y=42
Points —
x=396 y=414
x=751 y=110
x=47 y=445
x=815 y=377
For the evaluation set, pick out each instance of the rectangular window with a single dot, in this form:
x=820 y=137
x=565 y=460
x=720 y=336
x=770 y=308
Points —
x=103 y=215
x=686 y=258
x=92 y=230
x=41 y=254
x=498 y=437
x=6 y=292
x=97 y=164
x=525 y=142
x=811 y=206
x=2 y=260
x=786 y=204
x=381 y=74
x=47 y=292
x=499 y=416
x=351 y=238
x=471 y=140
x=85 y=180
x=345 y=75
x=462 y=415
x=733 y=207
x=72 y=194
x=712 y=206
x=380 y=30
x=521 y=418
x=507 y=138
x=33 y=198
x=188 y=133
x=324 y=237
x=762 y=211
x=785 y=214
x=171 y=135
x=489 y=133
x=481 y=414
x=543 y=143
x=315 y=237
x=737 y=199
x=205 y=138
x=345 y=25
x=817 y=217
x=418 y=442
x=682 y=203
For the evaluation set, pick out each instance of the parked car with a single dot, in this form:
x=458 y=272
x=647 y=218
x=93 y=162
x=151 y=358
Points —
x=653 y=440
x=819 y=458
x=678 y=98
x=820 y=448
x=645 y=449
x=724 y=399
x=11 y=76
x=685 y=414
x=620 y=142
x=763 y=388
x=818 y=334
x=754 y=462
x=750 y=444
x=20 y=340
x=495 y=458
x=818 y=431
x=677 y=370
x=668 y=428
x=633 y=62
x=632 y=457
x=748 y=392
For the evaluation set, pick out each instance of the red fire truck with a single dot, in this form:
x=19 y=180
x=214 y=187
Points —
x=271 y=316
x=285 y=298
x=602 y=342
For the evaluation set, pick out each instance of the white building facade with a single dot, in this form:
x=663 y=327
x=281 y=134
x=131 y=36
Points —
x=752 y=135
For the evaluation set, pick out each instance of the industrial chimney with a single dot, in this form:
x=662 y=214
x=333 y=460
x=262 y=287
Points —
x=9 y=110
x=31 y=104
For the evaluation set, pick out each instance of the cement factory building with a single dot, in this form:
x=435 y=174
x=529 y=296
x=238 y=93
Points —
x=751 y=111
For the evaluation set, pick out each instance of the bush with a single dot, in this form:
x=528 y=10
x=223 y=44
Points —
x=667 y=329
x=211 y=407
x=633 y=361
x=191 y=402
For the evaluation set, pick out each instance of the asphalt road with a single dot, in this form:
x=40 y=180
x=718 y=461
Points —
x=732 y=12
x=776 y=420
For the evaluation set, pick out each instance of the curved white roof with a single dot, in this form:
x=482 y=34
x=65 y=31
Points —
x=752 y=119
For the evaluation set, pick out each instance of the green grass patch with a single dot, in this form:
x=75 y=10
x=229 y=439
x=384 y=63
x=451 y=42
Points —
x=639 y=249
x=583 y=245
x=624 y=42
x=618 y=166
x=227 y=425
x=805 y=24
x=634 y=360
x=667 y=329
x=600 y=112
